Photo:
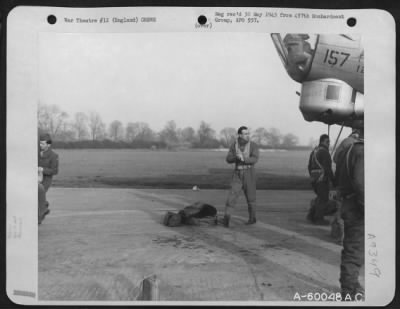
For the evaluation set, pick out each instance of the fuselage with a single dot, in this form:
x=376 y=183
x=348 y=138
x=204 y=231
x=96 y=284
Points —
x=330 y=68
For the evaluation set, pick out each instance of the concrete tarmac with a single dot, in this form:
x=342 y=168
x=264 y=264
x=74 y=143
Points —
x=99 y=244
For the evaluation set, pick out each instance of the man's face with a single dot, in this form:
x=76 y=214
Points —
x=245 y=135
x=43 y=145
x=327 y=142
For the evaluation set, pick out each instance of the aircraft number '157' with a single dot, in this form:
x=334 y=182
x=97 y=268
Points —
x=332 y=57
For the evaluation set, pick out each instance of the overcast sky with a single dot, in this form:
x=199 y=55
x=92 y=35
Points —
x=225 y=79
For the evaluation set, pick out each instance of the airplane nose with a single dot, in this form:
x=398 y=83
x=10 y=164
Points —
x=296 y=53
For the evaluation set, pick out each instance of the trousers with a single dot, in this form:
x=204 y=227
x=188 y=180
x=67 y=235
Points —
x=352 y=258
x=242 y=180
x=42 y=203
x=47 y=180
x=322 y=205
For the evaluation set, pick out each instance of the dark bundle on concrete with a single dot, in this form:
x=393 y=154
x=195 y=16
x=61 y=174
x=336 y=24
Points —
x=194 y=214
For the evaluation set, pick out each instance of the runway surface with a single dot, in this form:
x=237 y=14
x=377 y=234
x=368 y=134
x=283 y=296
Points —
x=99 y=244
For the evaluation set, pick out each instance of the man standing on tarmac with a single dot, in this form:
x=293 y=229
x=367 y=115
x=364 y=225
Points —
x=48 y=166
x=320 y=170
x=350 y=179
x=244 y=153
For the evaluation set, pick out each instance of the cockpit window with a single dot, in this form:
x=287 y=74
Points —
x=296 y=51
x=280 y=47
x=299 y=50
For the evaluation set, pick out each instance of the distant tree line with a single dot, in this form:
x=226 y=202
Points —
x=90 y=131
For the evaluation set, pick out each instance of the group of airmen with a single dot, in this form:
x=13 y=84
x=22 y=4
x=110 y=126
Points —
x=244 y=154
x=348 y=180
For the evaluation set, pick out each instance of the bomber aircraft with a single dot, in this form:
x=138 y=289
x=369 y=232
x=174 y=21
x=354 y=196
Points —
x=331 y=71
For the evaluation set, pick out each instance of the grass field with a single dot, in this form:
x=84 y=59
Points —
x=175 y=169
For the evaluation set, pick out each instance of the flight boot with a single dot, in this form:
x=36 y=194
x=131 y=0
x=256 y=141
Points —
x=226 y=220
x=252 y=214
x=251 y=221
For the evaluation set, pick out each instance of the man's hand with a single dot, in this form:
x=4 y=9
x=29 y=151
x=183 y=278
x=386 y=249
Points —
x=240 y=157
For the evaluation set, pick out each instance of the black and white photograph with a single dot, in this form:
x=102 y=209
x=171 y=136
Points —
x=218 y=161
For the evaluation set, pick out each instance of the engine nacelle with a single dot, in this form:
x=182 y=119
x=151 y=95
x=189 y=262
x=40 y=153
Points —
x=331 y=101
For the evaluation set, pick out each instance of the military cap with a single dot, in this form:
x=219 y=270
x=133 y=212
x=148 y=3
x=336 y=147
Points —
x=45 y=137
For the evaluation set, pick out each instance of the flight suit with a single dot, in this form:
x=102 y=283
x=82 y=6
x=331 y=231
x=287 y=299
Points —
x=344 y=145
x=350 y=178
x=321 y=206
x=243 y=178
x=49 y=161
